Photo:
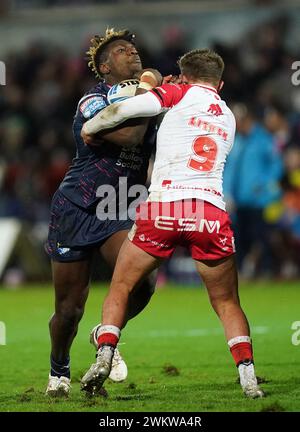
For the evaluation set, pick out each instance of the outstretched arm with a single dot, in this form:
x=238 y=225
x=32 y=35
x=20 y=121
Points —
x=145 y=105
x=132 y=131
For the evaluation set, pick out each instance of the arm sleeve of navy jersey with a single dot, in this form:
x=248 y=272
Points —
x=168 y=95
x=145 y=105
x=91 y=104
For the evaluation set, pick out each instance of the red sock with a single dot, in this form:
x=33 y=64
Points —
x=241 y=349
x=108 y=335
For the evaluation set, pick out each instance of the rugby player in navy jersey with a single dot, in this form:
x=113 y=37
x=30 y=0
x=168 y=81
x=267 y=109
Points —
x=75 y=231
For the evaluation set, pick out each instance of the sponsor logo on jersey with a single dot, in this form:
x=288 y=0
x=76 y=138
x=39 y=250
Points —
x=168 y=185
x=91 y=105
x=215 y=109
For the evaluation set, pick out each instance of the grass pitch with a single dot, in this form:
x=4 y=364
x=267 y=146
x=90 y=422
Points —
x=175 y=351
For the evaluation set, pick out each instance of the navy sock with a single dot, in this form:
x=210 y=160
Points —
x=60 y=369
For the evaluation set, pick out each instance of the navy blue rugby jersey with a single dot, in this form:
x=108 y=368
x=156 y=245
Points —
x=95 y=166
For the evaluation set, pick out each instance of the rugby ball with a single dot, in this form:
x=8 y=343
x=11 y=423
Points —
x=121 y=91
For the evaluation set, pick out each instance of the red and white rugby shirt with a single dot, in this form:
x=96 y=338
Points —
x=193 y=141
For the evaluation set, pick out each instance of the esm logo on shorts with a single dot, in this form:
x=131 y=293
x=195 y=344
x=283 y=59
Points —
x=170 y=223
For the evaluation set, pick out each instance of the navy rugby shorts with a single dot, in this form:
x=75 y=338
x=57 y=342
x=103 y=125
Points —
x=74 y=231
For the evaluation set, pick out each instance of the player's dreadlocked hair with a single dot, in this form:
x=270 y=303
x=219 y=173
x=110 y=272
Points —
x=99 y=43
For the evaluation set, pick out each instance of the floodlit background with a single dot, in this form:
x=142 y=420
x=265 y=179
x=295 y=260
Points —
x=43 y=46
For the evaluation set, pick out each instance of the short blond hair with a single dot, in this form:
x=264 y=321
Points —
x=202 y=64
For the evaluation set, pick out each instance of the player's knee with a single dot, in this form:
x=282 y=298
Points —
x=139 y=297
x=70 y=313
x=221 y=303
x=148 y=286
x=142 y=293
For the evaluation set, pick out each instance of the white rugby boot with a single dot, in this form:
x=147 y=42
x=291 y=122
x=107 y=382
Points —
x=248 y=381
x=58 y=386
x=119 y=369
x=94 y=378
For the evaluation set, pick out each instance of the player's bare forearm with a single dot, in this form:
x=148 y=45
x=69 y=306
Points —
x=144 y=105
x=129 y=136
x=130 y=133
x=116 y=114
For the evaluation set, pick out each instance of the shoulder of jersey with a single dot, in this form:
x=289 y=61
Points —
x=171 y=94
x=93 y=101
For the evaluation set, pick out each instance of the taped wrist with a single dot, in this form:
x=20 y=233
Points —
x=145 y=85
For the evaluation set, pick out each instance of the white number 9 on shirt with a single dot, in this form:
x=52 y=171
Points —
x=205 y=150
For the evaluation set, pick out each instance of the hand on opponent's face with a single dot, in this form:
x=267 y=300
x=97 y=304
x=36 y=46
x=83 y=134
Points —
x=153 y=73
x=172 y=79
x=169 y=79
x=155 y=79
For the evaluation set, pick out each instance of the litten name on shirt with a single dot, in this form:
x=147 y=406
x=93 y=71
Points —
x=208 y=127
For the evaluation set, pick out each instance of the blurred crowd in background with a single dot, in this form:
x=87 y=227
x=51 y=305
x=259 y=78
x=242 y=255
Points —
x=42 y=3
x=262 y=177
x=53 y=3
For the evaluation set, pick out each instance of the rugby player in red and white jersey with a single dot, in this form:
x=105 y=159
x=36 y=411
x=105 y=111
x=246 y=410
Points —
x=185 y=207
